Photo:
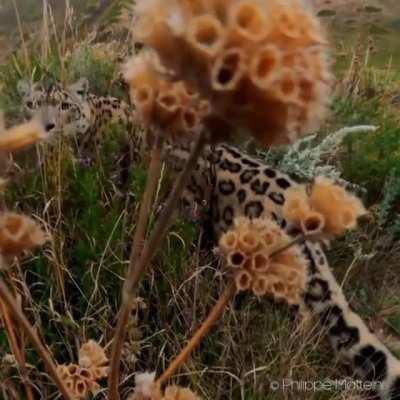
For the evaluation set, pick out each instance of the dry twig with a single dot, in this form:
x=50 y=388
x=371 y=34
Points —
x=11 y=304
x=136 y=270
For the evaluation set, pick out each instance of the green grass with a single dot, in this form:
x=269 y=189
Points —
x=369 y=158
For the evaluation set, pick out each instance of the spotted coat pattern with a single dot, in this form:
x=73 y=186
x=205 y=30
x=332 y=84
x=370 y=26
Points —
x=232 y=183
x=73 y=111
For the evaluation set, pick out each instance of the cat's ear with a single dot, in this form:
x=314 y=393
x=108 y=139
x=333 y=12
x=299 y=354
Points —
x=80 y=88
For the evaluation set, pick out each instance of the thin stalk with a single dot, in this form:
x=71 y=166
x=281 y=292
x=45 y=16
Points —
x=214 y=315
x=8 y=299
x=16 y=351
x=297 y=240
x=24 y=47
x=147 y=201
x=137 y=269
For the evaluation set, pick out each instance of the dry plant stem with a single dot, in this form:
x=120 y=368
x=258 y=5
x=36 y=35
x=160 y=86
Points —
x=147 y=201
x=21 y=35
x=16 y=351
x=297 y=240
x=138 y=268
x=213 y=316
x=11 y=304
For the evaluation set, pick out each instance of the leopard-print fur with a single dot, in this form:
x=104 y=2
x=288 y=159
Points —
x=73 y=111
x=231 y=183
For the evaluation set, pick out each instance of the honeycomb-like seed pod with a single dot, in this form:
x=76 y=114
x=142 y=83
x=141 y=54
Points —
x=228 y=69
x=279 y=289
x=63 y=372
x=229 y=241
x=179 y=393
x=307 y=91
x=286 y=86
x=286 y=21
x=269 y=240
x=280 y=284
x=144 y=98
x=297 y=205
x=260 y=285
x=81 y=389
x=19 y=233
x=91 y=354
x=190 y=119
x=70 y=385
x=243 y=280
x=85 y=373
x=72 y=369
x=236 y=259
x=206 y=35
x=248 y=242
x=292 y=276
x=260 y=262
x=186 y=92
x=292 y=258
x=294 y=59
x=313 y=223
x=248 y=22
x=167 y=105
x=265 y=66
x=339 y=208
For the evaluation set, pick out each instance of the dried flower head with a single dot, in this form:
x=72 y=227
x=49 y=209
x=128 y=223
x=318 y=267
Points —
x=22 y=136
x=132 y=345
x=253 y=250
x=327 y=209
x=146 y=389
x=179 y=393
x=261 y=64
x=163 y=104
x=79 y=381
x=92 y=355
x=19 y=233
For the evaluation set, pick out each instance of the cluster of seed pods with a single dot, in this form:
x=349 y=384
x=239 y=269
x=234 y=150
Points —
x=258 y=254
x=81 y=380
x=260 y=64
x=18 y=233
x=324 y=209
x=170 y=106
